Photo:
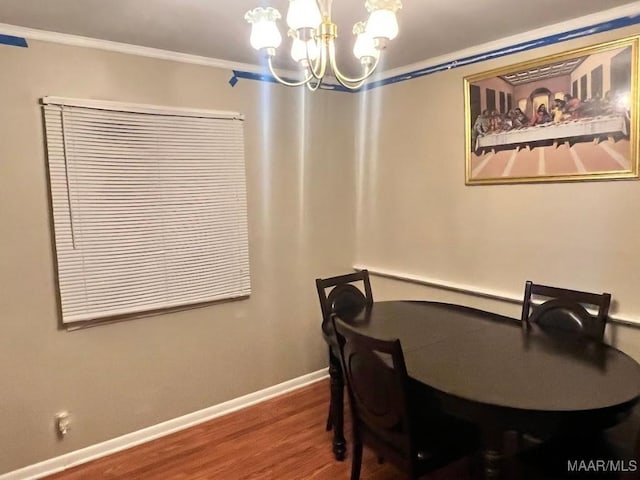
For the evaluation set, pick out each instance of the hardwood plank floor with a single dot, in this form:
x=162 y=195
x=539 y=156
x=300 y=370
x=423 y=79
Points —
x=282 y=438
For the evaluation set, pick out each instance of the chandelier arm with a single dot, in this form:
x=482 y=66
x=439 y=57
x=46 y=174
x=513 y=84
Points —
x=285 y=82
x=349 y=85
x=320 y=62
x=343 y=79
x=313 y=87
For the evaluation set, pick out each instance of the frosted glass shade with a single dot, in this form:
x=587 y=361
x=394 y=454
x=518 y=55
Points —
x=364 y=45
x=303 y=14
x=382 y=24
x=264 y=32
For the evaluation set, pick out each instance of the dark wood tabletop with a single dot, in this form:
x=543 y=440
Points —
x=500 y=373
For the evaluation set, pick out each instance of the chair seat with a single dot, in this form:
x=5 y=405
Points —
x=328 y=332
x=329 y=335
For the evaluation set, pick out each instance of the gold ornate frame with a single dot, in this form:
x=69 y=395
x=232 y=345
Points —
x=591 y=134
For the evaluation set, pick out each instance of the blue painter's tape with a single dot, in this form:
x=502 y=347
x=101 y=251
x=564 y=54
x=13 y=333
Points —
x=13 y=41
x=263 y=77
x=519 y=47
x=233 y=80
x=254 y=76
x=490 y=55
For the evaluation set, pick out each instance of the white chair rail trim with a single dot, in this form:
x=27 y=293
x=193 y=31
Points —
x=470 y=290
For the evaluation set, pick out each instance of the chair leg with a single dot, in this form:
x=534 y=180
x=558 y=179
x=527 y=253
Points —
x=356 y=462
x=336 y=407
x=330 y=414
x=329 y=420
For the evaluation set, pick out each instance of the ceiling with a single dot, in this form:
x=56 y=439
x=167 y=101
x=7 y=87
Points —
x=216 y=28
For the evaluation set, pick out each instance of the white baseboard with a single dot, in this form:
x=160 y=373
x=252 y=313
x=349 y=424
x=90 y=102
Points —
x=72 y=459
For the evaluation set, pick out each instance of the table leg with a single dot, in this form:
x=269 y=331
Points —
x=337 y=407
x=493 y=440
x=492 y=463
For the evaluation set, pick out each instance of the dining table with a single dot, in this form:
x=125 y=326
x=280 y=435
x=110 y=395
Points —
x=503 y=374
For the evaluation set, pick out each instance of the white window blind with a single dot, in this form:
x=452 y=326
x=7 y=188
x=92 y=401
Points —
x=149 y=206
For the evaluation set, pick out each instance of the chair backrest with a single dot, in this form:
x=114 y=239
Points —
x=378 y=386
x=343 y=297
x=565 y=309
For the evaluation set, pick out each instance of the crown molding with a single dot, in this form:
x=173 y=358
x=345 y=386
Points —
x=88 y=42
x=629 y=10
x=255 y=72
x=550 y=34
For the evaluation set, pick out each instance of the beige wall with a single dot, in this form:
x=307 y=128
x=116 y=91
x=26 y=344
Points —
x=422 y=220
x=119 y=378
x=401 y=205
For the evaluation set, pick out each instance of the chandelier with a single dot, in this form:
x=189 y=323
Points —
x=313 y=36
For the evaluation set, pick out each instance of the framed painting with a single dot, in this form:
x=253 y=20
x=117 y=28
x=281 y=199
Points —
x=570 y=116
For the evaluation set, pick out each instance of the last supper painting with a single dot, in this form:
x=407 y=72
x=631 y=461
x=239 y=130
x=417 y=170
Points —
x=571 y=116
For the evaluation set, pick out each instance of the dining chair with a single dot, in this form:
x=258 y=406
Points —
x=386 y=416
x=565 y=309
x=562 y=310
x=347 y=299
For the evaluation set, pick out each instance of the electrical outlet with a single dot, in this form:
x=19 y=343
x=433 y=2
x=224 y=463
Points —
x=63 y=422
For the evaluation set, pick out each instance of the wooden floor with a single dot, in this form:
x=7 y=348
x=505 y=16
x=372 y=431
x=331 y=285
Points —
x=283 y=438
